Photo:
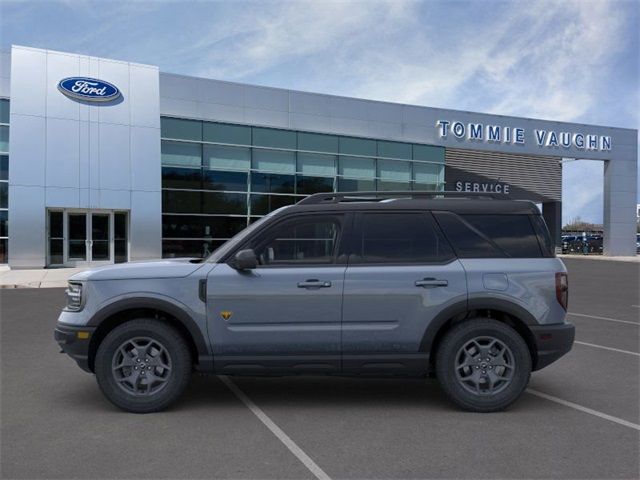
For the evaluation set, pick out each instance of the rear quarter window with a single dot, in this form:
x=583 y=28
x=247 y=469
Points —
x=488 y=235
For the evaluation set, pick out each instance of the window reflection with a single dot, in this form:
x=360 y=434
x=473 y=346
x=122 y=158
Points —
x=217 y=177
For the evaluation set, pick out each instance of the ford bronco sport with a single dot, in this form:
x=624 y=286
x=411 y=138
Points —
x=368 y=283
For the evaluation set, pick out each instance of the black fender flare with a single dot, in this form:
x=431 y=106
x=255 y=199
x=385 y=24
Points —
x=503 y=305
x=180 y=313
x=464 y=307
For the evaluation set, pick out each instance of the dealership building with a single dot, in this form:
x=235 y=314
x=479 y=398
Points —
x=105 y=161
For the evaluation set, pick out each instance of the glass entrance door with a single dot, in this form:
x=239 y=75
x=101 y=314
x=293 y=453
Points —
x=100 y=243
x=77 y=237
x=87 y=238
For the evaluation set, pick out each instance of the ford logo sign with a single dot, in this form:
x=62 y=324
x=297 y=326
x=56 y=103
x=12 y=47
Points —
x=89 y=89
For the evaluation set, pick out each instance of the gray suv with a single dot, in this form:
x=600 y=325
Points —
x=402 y=284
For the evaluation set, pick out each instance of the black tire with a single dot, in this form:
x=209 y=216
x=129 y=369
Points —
x=169 y=383
x=451 y=356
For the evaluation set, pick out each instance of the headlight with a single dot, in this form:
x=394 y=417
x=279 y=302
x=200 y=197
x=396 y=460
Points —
x=74 y=296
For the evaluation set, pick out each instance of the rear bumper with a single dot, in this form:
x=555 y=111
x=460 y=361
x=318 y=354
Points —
x=552 y=342
x=77 y=347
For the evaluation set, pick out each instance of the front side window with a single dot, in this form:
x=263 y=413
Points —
x=300 y=242
x=400 y=238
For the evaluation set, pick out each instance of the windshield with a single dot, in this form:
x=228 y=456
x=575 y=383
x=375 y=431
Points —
x=236 y=240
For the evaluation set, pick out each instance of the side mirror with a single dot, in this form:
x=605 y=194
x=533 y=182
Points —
x=245 y=260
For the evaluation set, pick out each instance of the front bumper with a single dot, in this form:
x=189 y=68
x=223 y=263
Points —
x=75 y=341
x=552 y=342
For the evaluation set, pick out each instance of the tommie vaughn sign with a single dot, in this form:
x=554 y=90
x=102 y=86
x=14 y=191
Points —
x=478 y=132
x=88 y=89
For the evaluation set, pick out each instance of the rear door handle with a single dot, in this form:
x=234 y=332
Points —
x=313 y=283
x=431 y=283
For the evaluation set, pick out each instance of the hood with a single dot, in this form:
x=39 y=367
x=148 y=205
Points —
x=166 y=268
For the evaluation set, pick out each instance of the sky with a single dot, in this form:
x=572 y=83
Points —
x=568 y=60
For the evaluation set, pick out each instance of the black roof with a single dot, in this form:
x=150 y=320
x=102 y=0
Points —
x=457 y=202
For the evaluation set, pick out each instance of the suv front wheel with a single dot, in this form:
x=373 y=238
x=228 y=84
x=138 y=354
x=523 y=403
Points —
x=143 y=365
x=483 y=365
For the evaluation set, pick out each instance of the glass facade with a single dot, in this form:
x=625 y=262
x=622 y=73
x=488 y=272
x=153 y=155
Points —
x=217 y=178
x=4 y=180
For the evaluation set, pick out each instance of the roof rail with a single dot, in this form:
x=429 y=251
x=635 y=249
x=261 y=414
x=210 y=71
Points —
x=337 y=197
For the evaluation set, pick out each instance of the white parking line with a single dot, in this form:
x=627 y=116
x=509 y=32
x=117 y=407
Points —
x=607 y=348
x=277 y=431
x=603 y=318
x=590 y=411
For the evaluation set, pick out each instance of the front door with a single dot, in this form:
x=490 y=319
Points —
x=86 y=238
x=286 y=313
x=402 y=273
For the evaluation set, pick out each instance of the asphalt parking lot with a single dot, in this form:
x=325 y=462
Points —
x=580 y=418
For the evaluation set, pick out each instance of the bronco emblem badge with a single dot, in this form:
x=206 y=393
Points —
x=225 y=314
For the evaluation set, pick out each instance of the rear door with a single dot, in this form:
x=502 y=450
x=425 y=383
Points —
x=402 y=273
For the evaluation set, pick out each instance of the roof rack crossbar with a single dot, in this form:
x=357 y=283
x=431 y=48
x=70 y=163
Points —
x=337 y=197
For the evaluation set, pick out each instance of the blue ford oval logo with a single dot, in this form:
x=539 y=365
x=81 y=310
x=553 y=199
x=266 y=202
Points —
x=89 y=89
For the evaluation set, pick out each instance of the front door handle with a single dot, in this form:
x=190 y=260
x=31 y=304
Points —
x=431 y=283
x=313 y=283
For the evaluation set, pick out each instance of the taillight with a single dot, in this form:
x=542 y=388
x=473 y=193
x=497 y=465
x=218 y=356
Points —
x=562 y=289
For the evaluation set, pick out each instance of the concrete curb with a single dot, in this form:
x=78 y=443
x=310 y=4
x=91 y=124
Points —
x=9 y=286
x=37 y=278
x=601 y=258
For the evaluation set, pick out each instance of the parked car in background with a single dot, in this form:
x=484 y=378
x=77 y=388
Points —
x=594 y=244
x=577 y=243
x=568 y=242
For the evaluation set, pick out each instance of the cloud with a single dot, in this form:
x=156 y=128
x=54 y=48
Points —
x=573 y=60
x=259 y=38
x=551 y=68
x=540 y=59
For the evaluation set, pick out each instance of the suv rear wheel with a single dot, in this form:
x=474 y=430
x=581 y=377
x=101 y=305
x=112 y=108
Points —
x=483 y=365
x=143 y=365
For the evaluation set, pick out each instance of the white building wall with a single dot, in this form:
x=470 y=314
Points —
x=71 y=154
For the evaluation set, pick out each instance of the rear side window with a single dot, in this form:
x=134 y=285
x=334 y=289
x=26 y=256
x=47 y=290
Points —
x=400 y=238
x=483 y=236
